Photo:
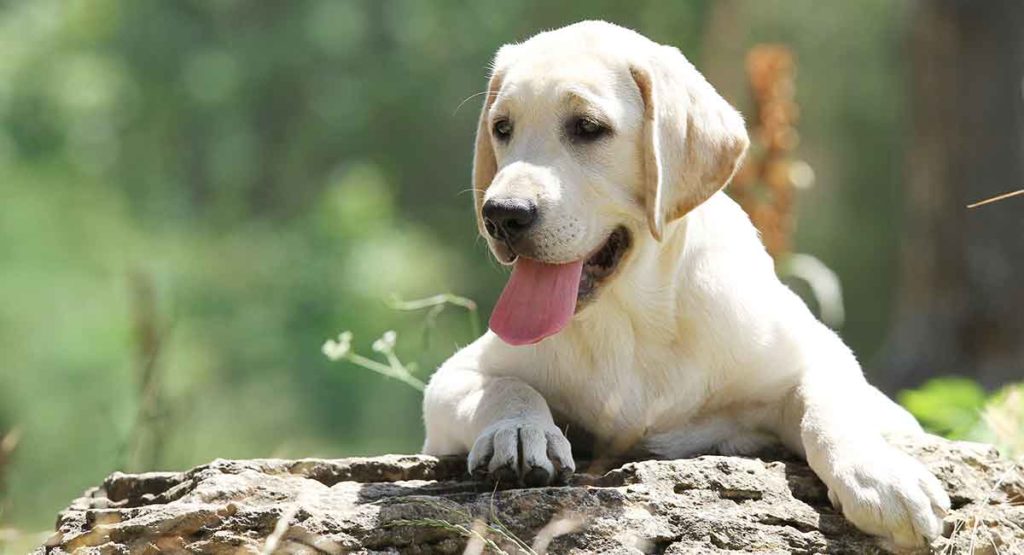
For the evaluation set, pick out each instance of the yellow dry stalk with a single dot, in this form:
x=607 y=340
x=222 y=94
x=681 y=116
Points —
x=766 y=183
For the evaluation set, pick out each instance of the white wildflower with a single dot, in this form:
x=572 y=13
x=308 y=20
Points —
x=337 y=350
x=386 y=343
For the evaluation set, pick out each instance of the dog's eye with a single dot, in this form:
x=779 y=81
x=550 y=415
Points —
x=502 y=129
x=586 y=129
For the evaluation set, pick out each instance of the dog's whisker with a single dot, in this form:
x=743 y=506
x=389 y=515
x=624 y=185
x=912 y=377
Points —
x=471 y=97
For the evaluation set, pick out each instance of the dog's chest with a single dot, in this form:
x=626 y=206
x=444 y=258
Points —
x=623 y=394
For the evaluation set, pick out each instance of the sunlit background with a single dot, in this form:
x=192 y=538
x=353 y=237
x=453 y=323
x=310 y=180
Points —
x=194 y=195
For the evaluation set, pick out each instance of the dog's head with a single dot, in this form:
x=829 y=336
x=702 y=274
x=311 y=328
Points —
x=591 y=137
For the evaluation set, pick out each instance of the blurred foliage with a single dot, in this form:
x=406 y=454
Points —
x=950 y=406
x=1003 y=416
x=958 y=408
x=275 y=171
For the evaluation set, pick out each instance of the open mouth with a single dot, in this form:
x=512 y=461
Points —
x=602 y=265
x=540 y=298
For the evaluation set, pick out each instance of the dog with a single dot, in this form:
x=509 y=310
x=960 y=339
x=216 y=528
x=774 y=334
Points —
x=642 y=303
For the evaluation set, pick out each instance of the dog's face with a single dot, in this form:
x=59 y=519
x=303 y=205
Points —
x=592 y=138
x=564 y=132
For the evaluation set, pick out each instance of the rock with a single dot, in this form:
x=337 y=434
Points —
x=420 y=504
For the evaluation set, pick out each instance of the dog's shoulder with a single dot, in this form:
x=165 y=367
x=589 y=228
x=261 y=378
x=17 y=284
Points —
x=722 y=222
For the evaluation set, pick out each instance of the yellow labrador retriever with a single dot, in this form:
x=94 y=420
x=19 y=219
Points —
x=642 y=304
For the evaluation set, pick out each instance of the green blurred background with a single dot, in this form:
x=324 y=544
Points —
x=194 y=194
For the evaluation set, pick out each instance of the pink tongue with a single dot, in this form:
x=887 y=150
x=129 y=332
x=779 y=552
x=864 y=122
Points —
x=538 y=301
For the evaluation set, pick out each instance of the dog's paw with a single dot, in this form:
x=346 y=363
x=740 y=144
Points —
x=521 y=452
x=887 y=493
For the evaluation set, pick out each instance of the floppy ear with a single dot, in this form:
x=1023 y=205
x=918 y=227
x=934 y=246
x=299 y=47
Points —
x=485 y=166
x=693 y=139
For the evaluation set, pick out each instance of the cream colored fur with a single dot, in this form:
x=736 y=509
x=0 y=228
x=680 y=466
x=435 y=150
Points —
x=694 y=346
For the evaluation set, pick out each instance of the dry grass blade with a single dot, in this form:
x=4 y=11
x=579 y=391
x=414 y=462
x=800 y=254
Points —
x=273 y=541
x=476 y=545
x=975 y=521
x=498 y=527
x=958 y=526
x=558 y=526
x=8 y=443
x=996 y=198
x=474 y=533
x=478 y=531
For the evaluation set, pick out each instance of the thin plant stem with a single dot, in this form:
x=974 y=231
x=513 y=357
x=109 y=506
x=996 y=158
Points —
x=441 y=300
x=996 y=198
x=394 y=371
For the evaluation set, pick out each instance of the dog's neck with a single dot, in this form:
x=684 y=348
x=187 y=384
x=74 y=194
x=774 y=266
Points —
x=653 y=290
x=644 y=296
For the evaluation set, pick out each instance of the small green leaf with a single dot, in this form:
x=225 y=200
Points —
x=948 y=406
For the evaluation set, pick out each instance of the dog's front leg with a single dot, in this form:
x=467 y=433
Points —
x=882 y=490
x=504 y=424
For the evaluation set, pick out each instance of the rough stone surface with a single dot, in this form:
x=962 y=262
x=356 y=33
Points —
x=419 y=504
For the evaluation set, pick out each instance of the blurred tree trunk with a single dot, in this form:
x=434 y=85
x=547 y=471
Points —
x=960 y=308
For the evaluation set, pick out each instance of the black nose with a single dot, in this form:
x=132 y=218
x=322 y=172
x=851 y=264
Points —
x=507 y=218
